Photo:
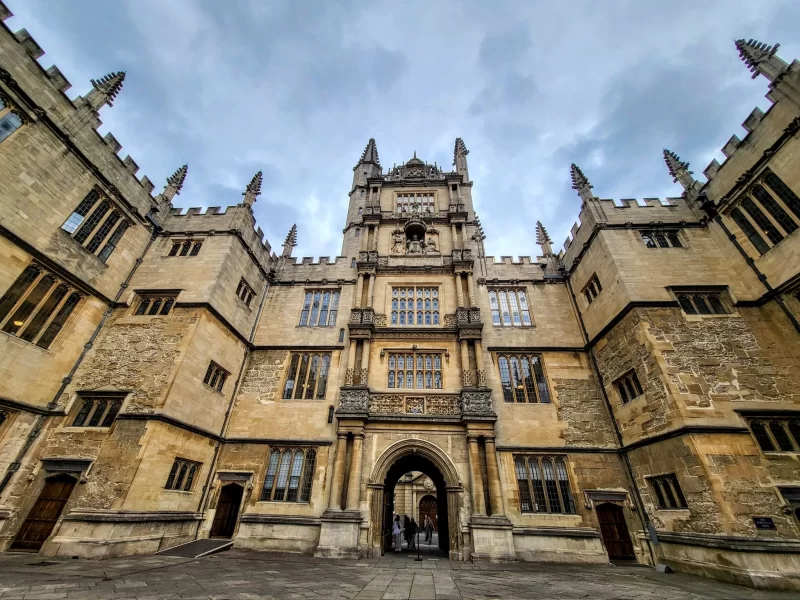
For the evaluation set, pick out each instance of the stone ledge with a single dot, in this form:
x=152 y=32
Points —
x=131 y=516
x=570 y=532
x=483 y=522
x=728 y=542
x=344 y=516
x=280 y=519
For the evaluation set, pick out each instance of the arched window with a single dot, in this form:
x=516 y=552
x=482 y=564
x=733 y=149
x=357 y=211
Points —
x=10 y=120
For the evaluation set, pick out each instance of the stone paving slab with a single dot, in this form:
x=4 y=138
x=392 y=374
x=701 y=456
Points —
x=244 y=575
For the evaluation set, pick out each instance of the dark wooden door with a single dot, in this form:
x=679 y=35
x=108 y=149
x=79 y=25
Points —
x=614 y=530
x=230 y=498
x=45 y=513
x=427 y=507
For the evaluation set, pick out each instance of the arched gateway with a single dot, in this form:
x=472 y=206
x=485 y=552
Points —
x=415 y=455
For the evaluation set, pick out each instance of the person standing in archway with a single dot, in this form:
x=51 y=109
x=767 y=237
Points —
x=397 y=533
x=428 y=529
x=407 y=531
x=412 y=535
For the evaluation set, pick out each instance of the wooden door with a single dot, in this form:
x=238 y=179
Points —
x=614 y=530
x=230 y=498
x=43 y=516
x=427 y=506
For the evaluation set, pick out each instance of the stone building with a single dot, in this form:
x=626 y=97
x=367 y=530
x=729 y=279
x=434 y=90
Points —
x=167 y=376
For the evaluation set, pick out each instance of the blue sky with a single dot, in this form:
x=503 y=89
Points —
x=296 y=88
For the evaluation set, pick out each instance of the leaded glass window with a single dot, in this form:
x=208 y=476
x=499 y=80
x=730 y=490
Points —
x=522 y=378
x=320 y=308
x=543 y=484
x=509 y=307
x=307 y=378
x=414 y=306
x=96 y=225
x=415 y=370
x=289 y=475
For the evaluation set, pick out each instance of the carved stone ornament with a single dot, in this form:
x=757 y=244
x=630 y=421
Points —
x=348 y=377
x=477 y=403
x=354 y=401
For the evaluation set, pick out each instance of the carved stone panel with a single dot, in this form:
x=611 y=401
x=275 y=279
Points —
x=477 y=403
x=354 y=401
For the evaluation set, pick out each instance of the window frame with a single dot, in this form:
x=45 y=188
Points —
x=790 y=424
x=393 y=373
x=182 y=475
x=164 y=300
x=8 y=108
x=185 y=248
x=101 y=225
x=666 y=490
x=591 y=290
x=305 y=477
x=245 y=292
x=309 y=312
x=561 y=484
x=404 y=202
x=49 y=310
x=434 y=313
x=293 y=368
x=510 y=395
x=667 y=236
x=501 y=307
x=215 y=377
x=690 y=297
x=100 y=408
x=626 y=384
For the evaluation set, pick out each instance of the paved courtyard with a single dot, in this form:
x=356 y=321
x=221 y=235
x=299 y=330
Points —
x=243 y=575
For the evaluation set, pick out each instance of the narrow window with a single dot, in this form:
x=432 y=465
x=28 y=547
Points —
x=668 y=492
x=415 y=370
x=543 y=484
x=628 y=387
x=58 y=321
x=182 y=475
x=341 y=334
x=10 y=120
x=762 y=221
x=113 y=241
x=79 y=214
x=195 y=248
x=703 y=303
x=762 y=437
x=775 y=209
x=330 y=415
x=320 y=308
x=784 y=193
x=155 y=305
x=747 y=228
x=215 y=376
x=103 y=231
x=91 y=222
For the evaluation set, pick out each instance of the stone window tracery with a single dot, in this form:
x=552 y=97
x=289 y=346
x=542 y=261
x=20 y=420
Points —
x=415 y=370
x=661 y=239
x=320 y=308
x=415 y=306
x=592 y=289
x=185 y=248
x=509 y=307
x=96 y=225
x=245 y=292
x=10 y=119
x=422 y=203
x=522 y=377
x=215 y=376
x=155 y=304
x=668 y=493
x=289 y=475
x=777 y=435
x=182 y=475
x=36 y=306
x=703 y=302
x=543 y=484
x=628 y=387
x=97 y=411
x=307 y=378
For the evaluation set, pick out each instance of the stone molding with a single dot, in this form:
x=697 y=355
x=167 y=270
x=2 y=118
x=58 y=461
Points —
x=569 y=532
x=131 y=516
x=280 y=519
x=730 y=542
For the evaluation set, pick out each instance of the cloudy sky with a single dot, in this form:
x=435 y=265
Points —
x=295 y=88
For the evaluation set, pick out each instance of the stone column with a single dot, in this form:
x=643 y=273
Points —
x=362 y=379
x=456 y=245
x=364 y=237
x=370 y=290
x=351 y=359
x=466 y=374
x=354 y=485
x=481 y=374
x=335 y=501
x=493 y=474
x=477 y=477
x=471 y=290
x=359 y=291
x=459 y=291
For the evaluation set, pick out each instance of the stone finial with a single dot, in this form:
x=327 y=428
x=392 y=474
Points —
x=760 y=58
x=174 y=184
x=678 y=169
x=253 y=189
x=290 y=242
x=543 y=239
x=460 y=158
x=105 y=90
x=480 y=234
x=370 y=154
x=580 y=183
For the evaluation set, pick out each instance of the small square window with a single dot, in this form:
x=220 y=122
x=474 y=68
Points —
x=628 y=387
x=182 y=475
x=667 y=491
x=155 y=304
x=703 y=302
x=215 y=376
x=96 y=411
x=592 y=289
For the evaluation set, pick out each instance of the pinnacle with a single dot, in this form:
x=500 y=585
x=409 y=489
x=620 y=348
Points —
x=675 y=165
x=291 y=237
x=461 y=148
x=541 y=234
x=370 y=154
x=254 y=187
x=109 y=85
x=579 y=180
x=177 y=178
x=753 y=53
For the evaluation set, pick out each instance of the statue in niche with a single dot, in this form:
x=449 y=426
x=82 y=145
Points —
x=430 y=246
x=398 y=242
x=415 y=245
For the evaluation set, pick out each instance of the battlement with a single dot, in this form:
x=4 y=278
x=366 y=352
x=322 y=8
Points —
x=48 y=87
x=292 y=261
x=509 y=260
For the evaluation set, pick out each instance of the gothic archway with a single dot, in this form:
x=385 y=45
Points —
x=415 y=455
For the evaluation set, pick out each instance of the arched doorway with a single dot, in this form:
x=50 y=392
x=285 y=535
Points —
x=397 y=460
x=614 y=530
x=46 y=510
x=230 y=499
